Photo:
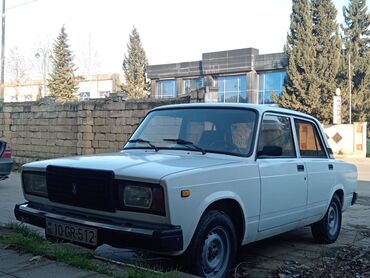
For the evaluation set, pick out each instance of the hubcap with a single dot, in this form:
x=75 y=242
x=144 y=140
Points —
x=216 y=252
x=333 y=219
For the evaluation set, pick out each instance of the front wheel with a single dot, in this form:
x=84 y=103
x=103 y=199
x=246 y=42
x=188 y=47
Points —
x=213 y=247
x=327 y=229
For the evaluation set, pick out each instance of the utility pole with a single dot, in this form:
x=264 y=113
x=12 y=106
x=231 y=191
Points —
x=2 y=53
x=350 y=88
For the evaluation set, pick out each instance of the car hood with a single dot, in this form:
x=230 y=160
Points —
x=139 y=165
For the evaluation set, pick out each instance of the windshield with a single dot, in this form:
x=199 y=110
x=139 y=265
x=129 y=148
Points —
x=219 y=130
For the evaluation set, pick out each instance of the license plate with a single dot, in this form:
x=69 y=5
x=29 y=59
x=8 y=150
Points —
x=72 y=232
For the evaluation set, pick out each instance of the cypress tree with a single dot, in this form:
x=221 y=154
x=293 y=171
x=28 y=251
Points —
x=327 y=46
x=301 y=86
x=134 y=67
x=62 y=82
x=356 y=42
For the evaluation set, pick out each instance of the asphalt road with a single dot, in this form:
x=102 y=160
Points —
x=259 y=258
x=10 y=194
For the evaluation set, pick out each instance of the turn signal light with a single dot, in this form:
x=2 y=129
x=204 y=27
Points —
x=185 y=193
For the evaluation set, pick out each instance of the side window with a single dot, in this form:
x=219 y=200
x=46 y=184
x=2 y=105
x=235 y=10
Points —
x=309 y=142
x=276 y=138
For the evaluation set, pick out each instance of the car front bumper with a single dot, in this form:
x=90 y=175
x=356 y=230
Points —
x=161 y=239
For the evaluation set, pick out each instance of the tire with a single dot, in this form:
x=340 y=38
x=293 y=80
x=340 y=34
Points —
x=213 y=246
x=327 y=229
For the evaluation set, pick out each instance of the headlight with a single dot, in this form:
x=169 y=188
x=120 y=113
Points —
x=142 y=197
x=137 y=197
x=35 y=183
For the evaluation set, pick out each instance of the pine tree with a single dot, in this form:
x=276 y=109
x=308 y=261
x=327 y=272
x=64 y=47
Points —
x=62 y=82
x=134 y=67
x=327 y=46
x=301 y=86
x=356 y=42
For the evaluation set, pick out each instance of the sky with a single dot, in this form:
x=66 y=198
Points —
x=171 y=30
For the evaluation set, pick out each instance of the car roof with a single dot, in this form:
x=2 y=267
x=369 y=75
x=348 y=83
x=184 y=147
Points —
x=261 y=108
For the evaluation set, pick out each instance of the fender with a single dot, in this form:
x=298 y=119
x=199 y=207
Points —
x=214 y=197
x=333 y=190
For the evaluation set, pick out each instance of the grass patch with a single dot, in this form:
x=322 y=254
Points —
x=139 y=273
x=26 y=239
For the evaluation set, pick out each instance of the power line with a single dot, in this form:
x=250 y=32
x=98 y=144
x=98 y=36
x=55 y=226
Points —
x=22 y=4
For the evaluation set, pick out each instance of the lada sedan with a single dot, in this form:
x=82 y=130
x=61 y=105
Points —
x=197 y=180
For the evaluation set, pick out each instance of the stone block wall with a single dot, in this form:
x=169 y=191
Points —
x=39 y=131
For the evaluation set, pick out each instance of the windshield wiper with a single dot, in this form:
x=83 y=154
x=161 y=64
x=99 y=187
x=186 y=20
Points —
x=139 y=140
x=186 y=143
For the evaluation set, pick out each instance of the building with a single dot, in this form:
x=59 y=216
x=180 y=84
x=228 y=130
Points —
x=97 y=86
x=241 y=75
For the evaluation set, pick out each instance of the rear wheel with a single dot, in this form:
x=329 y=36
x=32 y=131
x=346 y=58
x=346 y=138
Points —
x=213 y=247
x=327 y=229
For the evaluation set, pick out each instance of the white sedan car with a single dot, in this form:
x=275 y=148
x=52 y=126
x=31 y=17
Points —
x=199 y=180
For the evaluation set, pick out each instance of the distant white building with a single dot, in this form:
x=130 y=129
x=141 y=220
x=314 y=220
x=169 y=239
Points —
x=98 y=86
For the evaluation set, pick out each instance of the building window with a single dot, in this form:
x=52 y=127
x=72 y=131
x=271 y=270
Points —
x=166 y=88
x=192 y=84
x=269 y=83
x=104 y=94
x=232 y=88
x=84 y=96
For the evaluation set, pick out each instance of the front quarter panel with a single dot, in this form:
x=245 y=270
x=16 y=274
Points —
x=239 y=182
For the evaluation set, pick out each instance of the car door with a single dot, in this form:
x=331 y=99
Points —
x=320 y=168
x=283 y=175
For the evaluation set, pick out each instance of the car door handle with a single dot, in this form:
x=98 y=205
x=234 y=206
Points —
x=300 y=168
x=331 y=167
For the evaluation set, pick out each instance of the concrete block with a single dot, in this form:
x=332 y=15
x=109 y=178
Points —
x=110 y=137
x=88 y=106
x=85 y=121
x=87 y=151
x=85 y=128
x=116 y=129
x=117 y=114
x=70 y=114
x=110 y=122
x=86 y=136
x=115 y=106
x=66 y=135
x=120 y=121
x=84 y=144
x=95 y=144
x=100 y=136
x=101 y=129
x=99 y=121
x=100 y=114
x=7 y=109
